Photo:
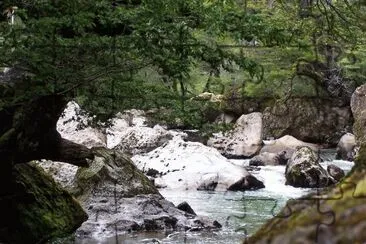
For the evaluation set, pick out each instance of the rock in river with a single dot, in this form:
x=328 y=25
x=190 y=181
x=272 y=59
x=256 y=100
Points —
x=118 y=198
x=245 y=140
x=192 y=165
x=303 y=170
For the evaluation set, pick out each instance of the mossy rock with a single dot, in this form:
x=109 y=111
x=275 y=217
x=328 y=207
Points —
x=111 y=172
x=39 y=209
x=333 y=215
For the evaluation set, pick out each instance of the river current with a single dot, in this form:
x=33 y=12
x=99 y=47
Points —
x=240 y=213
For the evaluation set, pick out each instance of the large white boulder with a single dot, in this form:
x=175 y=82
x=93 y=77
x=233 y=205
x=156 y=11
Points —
x=127 y=131
x=72 y=125
x=245 y=140
x=192 y=165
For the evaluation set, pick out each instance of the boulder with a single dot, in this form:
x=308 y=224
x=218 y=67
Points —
x=315 y=120
x=39 y=209
x=303 y=170
x=346 y=147
x=267 y=158
x=62 y=173
x=225 y=118
x=336 y=172
x=73 y=125
x=246 y=181
x=192 y=165
x=287 y=144
x=245 y=140
x=358 y=106
x=126 y=120
x=184 y=206
x=118 y=198
x=140 y=139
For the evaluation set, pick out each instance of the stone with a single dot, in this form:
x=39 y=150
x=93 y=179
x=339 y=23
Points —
x=140 y=139
x=120 y=198
x=244 y=141
x=267 y=158
x=225 y=118
x=190 y=166
x=73 y=125
x=184 y=206
x=336 y=172
x=39 y=208
x=358 y=106
x=287 y=144
x=62 y=173
x=246 y=183
x=303 y=170
x=346 y=147
x=315 y=120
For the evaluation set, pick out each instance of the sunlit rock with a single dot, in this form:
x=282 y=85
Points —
x=245 y=140
x=73 y=125
x=191 y=165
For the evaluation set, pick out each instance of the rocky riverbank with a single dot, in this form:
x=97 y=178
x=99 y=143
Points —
x=334 y=215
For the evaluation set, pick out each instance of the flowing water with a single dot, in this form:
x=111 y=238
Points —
x=240 y=213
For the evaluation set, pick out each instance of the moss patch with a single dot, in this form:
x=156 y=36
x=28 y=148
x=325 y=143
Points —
x=39 y=207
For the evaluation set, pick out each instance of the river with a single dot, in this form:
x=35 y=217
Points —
x=240 y=213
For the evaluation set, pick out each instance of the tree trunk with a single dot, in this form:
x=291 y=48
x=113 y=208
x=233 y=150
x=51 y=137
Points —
x=28 y=132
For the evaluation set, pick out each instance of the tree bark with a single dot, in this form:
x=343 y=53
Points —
x=28 y=132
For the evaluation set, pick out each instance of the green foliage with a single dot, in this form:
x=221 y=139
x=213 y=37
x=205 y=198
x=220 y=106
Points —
x=95 y=50
x=115 y=55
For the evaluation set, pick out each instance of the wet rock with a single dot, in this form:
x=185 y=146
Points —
x=267 y=158
x=190 y=166
x=303 y=170
x=195 y=136
x=184 y=206
x=119 y=197
x=246 y=183
x=336 y=172
x=39 y=209
x=346 y=147
x=245 y=140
